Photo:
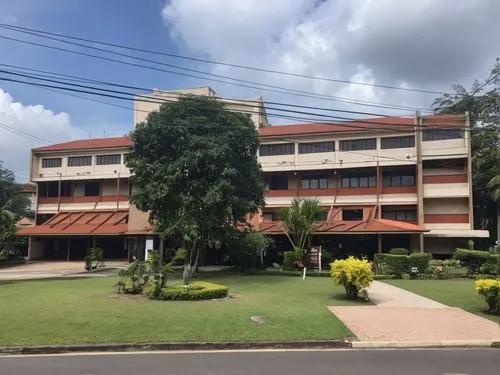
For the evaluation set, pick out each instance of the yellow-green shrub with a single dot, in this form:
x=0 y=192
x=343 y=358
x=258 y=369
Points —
x=354 y=274
x=490 y=290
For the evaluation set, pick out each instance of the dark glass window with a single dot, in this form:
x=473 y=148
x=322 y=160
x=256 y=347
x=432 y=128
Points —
x=48 y=189
x=442 y=134
x=315 y=182
x=398 y=142
x=79 y=161
x=276 y=182
x=271 y=216
x=401 y=177
x=92 y=188
x=51 y=162
x=358 y=144
x=66 y=188
x=351 y=215
x=277 y=149
x=359 y=180
x=399 y=215
x=310 y=148
x=108 y=159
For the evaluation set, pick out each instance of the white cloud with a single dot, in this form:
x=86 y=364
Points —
x=31 y=119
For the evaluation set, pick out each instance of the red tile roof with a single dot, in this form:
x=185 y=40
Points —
x=379 y=123
x=88 y=144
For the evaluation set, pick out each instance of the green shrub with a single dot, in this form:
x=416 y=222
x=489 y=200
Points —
x=95 y=259
x=490 y=290
x=197 y=291
x=472 y=259
x=420 y=260
x=399 y=251
x=179 y=257
x=289 y=259
x=133 y=278
x=154 y=261
x=397 y=265
x=379 y=266
x=246 y=250
x=354 y=274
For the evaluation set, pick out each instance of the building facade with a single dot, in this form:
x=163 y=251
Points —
x=383 y=183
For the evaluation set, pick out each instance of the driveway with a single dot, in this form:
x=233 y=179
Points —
x=399 y=315
x=52 y=269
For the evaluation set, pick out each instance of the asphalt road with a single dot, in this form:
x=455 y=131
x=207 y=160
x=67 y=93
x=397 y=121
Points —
x=344 y=362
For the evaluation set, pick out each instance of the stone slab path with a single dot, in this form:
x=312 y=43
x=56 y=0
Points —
x=403 y=316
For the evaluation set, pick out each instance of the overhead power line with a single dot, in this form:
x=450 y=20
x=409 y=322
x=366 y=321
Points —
x=108 y=44
x=24 y=134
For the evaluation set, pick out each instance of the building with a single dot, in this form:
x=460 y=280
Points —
x=383 y=183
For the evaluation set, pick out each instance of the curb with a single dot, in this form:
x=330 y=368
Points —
x=424 y=344
x=175 y=346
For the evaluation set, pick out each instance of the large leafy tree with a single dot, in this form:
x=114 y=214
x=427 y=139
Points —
x=482 y=101
x=196 y=171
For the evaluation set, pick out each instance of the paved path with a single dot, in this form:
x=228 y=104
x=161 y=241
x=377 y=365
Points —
x=400 y=315
x=345 y=362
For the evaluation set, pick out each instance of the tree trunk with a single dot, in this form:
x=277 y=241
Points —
x=351 y=291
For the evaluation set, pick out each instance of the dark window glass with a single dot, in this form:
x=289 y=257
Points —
x=66 y=188
x=323 y=183
x=359 y=180
x=276 y=183
x=314 y=147
x=358 y=144
x=277 y=149
x=395 y=180
x=52 y=189
x=399 y=177
x=51 y=162
x=108 y=159
x=346 y=182
x=350 y=215
x=372 y=181
x=79 y=161
x=305 y=184
x=314 y=182
x=92 y=188
x=398 y=142
x=442 y=134
x=363 y=182
x=410 y=215
x=407 y=180
x=400 y=215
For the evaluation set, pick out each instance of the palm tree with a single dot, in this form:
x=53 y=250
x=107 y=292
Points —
x=7 y=222
x=300 y=221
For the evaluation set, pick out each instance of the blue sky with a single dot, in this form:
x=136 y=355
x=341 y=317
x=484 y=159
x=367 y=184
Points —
x=422 y=44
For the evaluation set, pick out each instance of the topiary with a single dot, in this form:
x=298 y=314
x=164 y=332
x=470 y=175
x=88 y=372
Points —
x=354 y=274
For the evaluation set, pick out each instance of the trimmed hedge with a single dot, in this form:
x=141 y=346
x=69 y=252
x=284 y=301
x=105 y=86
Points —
x=280 y=272
x=397 y=265
x=399 y=251
x=420 y=260
x=197 y=291
x=473 y=259
x=289 y=258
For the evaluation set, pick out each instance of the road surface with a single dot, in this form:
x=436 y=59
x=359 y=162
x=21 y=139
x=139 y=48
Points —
x=343 y=362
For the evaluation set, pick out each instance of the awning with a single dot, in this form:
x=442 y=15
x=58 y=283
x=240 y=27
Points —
x=370 y=226
x=102 y=223
x=460 y=233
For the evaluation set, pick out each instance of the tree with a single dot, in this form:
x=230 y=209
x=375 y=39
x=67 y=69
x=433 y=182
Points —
x=196 y=171
x=494 y=187
x=300 y=221
x=482 y=101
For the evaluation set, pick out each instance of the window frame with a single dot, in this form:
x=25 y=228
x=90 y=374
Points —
x=392 y=214
x=363 y=144
x=82 y=157
x=387 y=143
x=354 y=181
x=441 y=134
x=48 y=160
x=99 y=187
x=318 y=179
x=100 y=158
x=357 y=210
x=316 y=147
x=276 y=149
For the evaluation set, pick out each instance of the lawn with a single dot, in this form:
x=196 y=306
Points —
x=458 y=293
x=87 y=311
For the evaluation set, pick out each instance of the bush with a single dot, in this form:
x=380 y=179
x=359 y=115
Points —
x=397 y=265
x=133 y=278
x=197 y=291
x=490 y=290
x=95 y=259
x=354 y=274
x=399 y=251
x=420 y=260
x=289 y=259
x=490 y=267
x=179 y=257
x=472 y=259
x=246 y=250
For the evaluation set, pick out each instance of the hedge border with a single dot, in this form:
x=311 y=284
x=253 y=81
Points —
x=199 y=291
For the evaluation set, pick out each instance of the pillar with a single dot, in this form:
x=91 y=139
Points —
x=420 y=177
x=68 y=245
x=379 y=243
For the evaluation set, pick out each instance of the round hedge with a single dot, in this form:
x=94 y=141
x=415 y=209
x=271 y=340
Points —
x=197 y=291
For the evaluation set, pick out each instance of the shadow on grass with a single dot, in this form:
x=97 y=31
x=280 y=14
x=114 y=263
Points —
x=62 y=278
x=358 y=301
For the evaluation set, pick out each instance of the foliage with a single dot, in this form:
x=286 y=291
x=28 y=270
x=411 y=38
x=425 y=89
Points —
x=420 y=260
x=246 y=249
x=399 y=251
x=154 y=261
x=296 y=273
x=179 y=257
x=490 y=267
x=95 y=259
x=472 y=259
x=494 y=187
x=397 y=265
x=197 y=291
x=481 y=101
x=438 y=270
x=352 y=273
x=133 y=278
x=300 y=221
x=490 y=290
x=196 y=170
x=289 y=260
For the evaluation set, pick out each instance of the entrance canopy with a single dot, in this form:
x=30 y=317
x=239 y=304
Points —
x=103 y=223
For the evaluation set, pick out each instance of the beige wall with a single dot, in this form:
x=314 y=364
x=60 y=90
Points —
x=460 y=189
x=446 y=206
x=35 y=249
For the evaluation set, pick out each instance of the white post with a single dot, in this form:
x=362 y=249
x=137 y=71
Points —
x=304 y=274
x=319 y=260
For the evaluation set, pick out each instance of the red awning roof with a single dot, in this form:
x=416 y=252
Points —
x=339 y=227
x=103 y=223
x=88 y=144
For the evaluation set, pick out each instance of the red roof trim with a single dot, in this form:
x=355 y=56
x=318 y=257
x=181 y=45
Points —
x=88 y=144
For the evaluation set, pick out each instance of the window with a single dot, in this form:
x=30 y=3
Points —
x=108 y=159
x=401 y=177
x=79 y=161
x=359 y=180
x=399 y=215
x=92 y=188
x=352 y=215
x=51 y=163
x=315 y=182
x=442 y=134
x=276 y=183
x=48 y=189
x=358 y=144
x=277 y=149
x=311 y=148
x=271 y=216
x=66 y=188
x=398 y=142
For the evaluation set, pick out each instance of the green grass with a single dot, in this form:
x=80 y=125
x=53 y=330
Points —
x=458 y=293
x=87 y=311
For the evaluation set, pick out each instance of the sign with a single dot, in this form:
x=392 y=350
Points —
x=148 y=249
x=314 y=256
x=414 y=270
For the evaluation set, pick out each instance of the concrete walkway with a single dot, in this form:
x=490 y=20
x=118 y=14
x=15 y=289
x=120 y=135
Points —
x=402 y=316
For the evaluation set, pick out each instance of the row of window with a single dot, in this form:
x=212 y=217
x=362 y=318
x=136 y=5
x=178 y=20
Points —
x=357 y=215
x=360 y=144
x=51 y=189
x=81 y=161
